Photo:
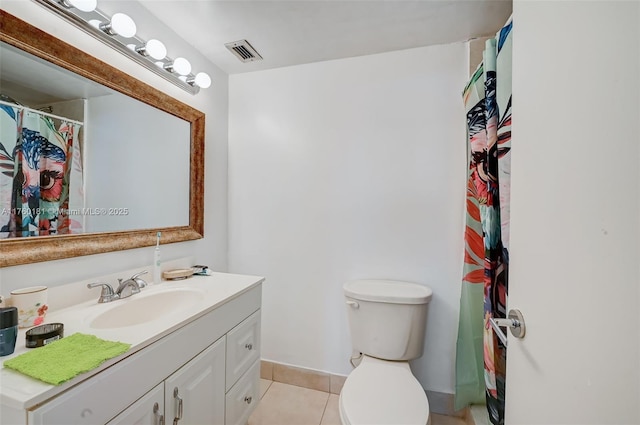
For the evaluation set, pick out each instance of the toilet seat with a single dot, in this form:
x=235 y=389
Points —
x=381 y=392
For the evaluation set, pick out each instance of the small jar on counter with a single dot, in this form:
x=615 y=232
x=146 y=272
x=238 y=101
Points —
x=8 y=330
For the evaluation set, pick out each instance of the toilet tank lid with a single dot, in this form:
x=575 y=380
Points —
x=387 y=291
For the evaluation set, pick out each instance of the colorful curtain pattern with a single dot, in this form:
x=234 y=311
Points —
x=39 y=159
x=481 y=356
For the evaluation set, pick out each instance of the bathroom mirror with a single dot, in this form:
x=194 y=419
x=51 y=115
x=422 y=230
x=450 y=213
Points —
x=107 y=187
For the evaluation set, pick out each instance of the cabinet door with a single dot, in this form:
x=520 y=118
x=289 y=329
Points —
x=149 y=410
x=195 y=393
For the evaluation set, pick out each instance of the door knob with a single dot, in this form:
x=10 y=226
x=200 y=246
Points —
x=518 y=329
x=514 y=321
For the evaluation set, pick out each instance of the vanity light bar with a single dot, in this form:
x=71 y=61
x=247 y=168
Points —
x=119 y=34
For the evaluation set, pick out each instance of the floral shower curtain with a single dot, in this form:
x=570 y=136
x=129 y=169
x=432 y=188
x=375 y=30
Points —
x=39 y=161
x=481 y=356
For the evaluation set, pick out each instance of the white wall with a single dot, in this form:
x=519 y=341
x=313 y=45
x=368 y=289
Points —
x=575 y=227
x=211 y=250
x=349 y=169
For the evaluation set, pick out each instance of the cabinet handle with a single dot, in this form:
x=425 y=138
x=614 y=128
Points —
x=156 y=408
x=248 y=399
x=178 y=406
x=249 y=346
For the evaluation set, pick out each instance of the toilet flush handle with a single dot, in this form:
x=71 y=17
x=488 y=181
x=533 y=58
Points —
x=353 y=304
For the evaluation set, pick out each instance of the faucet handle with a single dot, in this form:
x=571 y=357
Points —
x=141 y=282
x=139 y=274
x=107 y=293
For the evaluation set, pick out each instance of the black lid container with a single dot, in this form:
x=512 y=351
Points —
x=44 y=334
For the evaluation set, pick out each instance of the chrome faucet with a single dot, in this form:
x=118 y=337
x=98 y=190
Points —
x=131 y=286
x=141 y=282
x=125 y=288
x=107 y=294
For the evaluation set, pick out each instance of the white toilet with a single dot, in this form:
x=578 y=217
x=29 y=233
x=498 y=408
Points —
x=387 y=322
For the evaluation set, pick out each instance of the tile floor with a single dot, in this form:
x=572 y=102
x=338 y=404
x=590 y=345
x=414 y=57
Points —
x=283 y=404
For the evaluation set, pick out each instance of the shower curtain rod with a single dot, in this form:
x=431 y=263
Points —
x=2 y=102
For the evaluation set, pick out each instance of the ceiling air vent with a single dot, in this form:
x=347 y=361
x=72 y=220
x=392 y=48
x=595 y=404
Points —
x=244 y=51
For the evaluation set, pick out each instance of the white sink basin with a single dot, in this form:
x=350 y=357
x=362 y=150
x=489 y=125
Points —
x=142 y=308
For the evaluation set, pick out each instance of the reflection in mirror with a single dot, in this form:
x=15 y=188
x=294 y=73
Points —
x=91 y=160
x=69 y=146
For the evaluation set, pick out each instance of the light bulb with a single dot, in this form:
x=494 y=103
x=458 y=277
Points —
x=182 y=66
x=153 y=48
x=83 y=5
x=123 y=25
x=179 y=65
x=203 y=80
x=120 y=24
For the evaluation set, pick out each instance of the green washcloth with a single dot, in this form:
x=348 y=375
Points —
x=65 y=358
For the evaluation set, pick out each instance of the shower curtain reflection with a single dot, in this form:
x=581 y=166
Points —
x=41 y=181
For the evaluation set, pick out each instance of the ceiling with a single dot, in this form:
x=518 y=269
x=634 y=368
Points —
x=285 y=33
x=303 y=31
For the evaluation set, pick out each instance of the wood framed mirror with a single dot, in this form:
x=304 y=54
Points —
x=25 y=250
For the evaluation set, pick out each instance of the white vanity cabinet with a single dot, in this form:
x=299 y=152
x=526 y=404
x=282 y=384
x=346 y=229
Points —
x=209 y=367
x=192 y=395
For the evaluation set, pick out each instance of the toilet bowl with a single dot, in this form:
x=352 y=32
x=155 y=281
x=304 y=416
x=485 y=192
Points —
x=387 y=321
x=382 y=392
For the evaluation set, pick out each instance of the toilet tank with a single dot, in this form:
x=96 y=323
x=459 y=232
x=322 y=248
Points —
x=387 y=318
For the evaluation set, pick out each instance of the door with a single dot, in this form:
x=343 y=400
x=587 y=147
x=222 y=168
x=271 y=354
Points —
x=195 y=393
x=575 y=214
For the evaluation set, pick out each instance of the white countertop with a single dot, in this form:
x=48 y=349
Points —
x=22 y=392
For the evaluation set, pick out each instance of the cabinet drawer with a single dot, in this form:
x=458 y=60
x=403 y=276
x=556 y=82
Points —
x=243 y=348
x=243 y=398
